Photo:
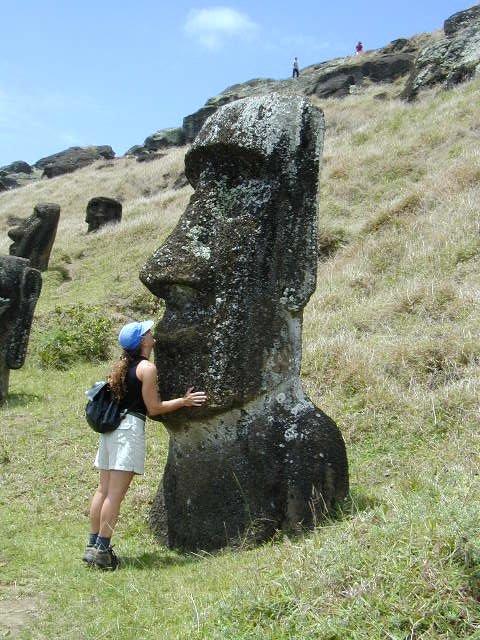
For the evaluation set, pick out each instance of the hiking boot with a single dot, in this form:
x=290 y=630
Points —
x=89 y=554
x=105 y=559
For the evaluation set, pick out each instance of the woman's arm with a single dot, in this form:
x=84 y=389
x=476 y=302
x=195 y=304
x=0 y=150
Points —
x=147 y=373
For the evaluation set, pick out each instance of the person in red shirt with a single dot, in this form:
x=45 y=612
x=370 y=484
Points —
x=359 y=48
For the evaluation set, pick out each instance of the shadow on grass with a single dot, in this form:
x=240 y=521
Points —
x=15 y=400
x=157 y=561
x=356 y=502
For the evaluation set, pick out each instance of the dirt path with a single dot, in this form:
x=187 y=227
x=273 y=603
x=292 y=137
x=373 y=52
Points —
x=16 y=610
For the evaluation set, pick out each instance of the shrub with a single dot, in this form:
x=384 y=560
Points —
x=78 y=333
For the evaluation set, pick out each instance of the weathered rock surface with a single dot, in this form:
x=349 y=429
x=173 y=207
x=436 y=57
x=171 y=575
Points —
x=33 y=237
x=16 y=174
x=162 y=139
x=19 y=166
x=102 y=211
x=20 y=287
x=461 y=20
x=72 y=159
x=236 y=274
x=453 y=58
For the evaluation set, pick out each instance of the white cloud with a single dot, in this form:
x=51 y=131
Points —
x=214 y=26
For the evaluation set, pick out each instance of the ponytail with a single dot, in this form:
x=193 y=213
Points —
x=118 y=375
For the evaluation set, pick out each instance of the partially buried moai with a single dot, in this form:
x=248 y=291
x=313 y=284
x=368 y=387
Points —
x=235 y=274
x=102 y=211
x=33 y=237
x=20 y=287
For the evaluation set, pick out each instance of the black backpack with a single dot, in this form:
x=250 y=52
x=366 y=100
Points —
x=103 y=412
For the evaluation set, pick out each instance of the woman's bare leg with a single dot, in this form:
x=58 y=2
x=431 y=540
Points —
x=118 y=483
x=97 y=500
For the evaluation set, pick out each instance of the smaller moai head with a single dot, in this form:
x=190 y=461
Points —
x=240 y=266
x=33 y=237
x=20 y=287
x=102 y=211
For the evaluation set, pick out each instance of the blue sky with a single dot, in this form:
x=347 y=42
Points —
x=112 y=72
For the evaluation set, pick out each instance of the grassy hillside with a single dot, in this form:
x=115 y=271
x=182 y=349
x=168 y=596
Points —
x=391 y=352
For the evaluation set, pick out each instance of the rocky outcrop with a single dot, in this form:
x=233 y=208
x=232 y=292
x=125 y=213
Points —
x=72 y=159
x=332 y=79
x=452 y=58
x=16 y=174
x=236 y=274
x=162 y=139
x=461 y=20
x=33 y=237
x=19 y=166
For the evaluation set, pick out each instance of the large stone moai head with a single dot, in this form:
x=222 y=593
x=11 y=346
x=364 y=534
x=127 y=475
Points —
x=241 y=264
x=102 y=211
x=236 y=274
x=33 y=237
x=20 y=287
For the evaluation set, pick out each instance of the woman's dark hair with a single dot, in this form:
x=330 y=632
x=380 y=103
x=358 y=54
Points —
x=118 y=375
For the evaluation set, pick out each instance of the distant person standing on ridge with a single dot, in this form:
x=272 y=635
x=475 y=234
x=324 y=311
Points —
x=295 y=72
x=359 y=48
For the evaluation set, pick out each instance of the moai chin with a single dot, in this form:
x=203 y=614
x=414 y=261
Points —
x=33 y=237
x=20 y=287
x=236 y=274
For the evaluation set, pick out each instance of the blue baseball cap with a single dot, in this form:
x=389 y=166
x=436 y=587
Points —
x=131 y=334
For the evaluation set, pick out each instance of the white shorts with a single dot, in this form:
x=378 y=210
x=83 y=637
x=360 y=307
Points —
x=124 y=448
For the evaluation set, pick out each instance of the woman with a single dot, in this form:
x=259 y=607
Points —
x=121 y=453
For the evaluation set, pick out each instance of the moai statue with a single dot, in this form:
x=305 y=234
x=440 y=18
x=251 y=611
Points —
x=102 y=211
x=20 y=287
x=33 y=237
x=236 y=274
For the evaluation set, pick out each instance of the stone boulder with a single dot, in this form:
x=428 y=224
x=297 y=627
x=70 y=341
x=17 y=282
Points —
x=7 y=182
x=33 y=237
x=453 y=58
x=461 y=20
x=19 y=166
x=236 y=274
x=17 y=174
x=72 y=159
x=136 y=149
x=164 y=139
x=102 y=211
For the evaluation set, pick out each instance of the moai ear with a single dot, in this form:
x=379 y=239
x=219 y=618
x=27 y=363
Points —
x=30 y=287
x=299 y=268
x=299 y=218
